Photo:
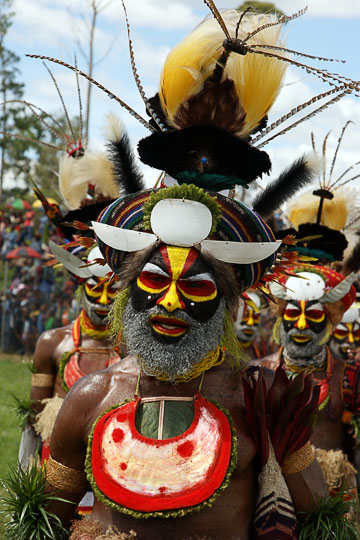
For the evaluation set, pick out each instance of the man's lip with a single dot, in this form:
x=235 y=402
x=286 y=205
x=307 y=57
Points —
x=168 y=326
x=248 y=332
x=298 y=338
x=102 y=312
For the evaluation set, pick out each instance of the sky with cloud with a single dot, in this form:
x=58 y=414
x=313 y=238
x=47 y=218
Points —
x=59 y=28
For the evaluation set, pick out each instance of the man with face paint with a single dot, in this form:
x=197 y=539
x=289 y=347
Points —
x=248 y=328
x=308 y=310
x=64 y=355
x=345 y=339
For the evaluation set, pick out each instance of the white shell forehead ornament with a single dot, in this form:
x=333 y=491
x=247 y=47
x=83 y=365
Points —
x=310 y=288
x=184 y=223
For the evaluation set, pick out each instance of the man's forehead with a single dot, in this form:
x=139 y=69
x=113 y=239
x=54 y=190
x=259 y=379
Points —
x=186 y=260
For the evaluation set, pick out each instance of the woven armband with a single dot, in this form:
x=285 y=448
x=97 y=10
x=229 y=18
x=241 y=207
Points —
x=65 y=478
x=299 y=460
x=42 y=379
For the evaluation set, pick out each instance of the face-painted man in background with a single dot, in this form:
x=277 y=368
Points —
x=345 y=339
x=309 y=309
x=63 y=355
x=248 y=327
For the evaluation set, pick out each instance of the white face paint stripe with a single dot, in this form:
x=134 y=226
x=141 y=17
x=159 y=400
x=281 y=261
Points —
x=341 y=326
x=205 y=276
x=318 y=306
x=154 y=269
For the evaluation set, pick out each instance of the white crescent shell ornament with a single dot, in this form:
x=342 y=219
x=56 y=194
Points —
x=184 y=223
x=77 y=266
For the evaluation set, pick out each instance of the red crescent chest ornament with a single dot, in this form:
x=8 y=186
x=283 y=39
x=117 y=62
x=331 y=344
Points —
x=148 y=477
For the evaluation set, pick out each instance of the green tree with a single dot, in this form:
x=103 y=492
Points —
x=14 y=159
x=10 y=88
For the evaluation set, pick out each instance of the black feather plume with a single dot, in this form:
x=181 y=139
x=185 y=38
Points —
x=352 y=262
x=127 y=173
x=297 y=176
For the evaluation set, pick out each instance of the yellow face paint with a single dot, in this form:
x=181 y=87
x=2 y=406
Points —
x=350 y=335
x=101 y=292
x=197 y=288
x=303 y=314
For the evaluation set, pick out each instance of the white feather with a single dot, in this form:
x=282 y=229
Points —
x=114 y=128
x=75 y=175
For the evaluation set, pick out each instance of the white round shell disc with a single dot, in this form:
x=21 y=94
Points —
x=180 y=222
x=97 y=269
x=351 y=315
x=311 y=288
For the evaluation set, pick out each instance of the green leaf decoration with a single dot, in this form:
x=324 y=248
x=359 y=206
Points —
x=25 y=506
x=330 y=520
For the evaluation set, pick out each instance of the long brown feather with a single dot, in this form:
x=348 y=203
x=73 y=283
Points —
x=214 y=10
x=96 y=83
x=337 y=150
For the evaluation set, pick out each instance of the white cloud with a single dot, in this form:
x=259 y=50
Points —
x=160 y=14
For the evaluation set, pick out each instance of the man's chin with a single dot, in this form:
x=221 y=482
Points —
x=168 y=329
x=98 y=320
x=301 y=350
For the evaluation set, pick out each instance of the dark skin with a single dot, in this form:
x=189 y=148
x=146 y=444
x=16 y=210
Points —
x=53 y=343
x=49 y=349
x=231 y=515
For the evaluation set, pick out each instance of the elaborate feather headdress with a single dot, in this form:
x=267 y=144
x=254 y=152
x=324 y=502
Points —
x=328 y=213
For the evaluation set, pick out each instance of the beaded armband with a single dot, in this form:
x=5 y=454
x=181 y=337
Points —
x=299 y=460
x=42 y=379
x=65 y=478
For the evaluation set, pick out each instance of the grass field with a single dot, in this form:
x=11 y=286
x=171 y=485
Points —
x=15 y=379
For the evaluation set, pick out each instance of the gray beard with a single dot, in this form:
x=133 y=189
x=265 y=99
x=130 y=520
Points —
x=174 y=359
x=245 y=337
x=341 y=350
x=302 y=350
x=91 y=309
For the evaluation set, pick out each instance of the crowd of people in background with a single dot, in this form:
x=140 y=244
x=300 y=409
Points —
x=36 y=296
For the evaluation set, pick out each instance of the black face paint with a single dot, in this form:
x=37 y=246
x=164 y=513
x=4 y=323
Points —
x=177 y=280
x=304 y=315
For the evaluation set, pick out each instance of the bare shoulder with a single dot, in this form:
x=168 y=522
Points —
x=46 y=347
x=87 y=399
x=95 y=391
x=50 y=339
